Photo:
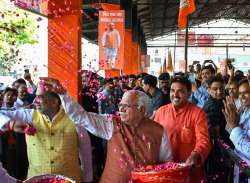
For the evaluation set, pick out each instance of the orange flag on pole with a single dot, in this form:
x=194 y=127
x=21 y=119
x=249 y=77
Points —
x=170 y=63
x=186 y=7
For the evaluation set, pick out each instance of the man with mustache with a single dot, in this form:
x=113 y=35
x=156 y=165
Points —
x=59 y=144
x=186 y=127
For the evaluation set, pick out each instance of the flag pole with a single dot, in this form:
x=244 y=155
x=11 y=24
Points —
x=186 y=46
x=227 y=51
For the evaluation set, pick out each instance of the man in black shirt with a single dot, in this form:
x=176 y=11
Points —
x=164 y=86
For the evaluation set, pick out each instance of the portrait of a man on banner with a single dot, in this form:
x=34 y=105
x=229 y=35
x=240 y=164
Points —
x=111 y=43
x=111 y=39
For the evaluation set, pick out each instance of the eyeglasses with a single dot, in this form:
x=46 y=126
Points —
x=126 y=106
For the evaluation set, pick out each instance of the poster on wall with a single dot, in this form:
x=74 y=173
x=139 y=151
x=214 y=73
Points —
x=36 y=6
x=111 y=39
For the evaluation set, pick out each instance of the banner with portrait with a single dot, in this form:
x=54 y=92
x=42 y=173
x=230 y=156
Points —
x=111 y=39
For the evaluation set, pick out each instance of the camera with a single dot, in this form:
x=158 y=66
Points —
x=26 y=71
x=26 y=74
x=208 y=61
x=229 y=66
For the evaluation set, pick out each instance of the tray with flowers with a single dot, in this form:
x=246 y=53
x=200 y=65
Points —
x=169 y=172
x=49 y=178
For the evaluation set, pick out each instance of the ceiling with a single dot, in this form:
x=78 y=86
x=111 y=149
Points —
x=159 y=17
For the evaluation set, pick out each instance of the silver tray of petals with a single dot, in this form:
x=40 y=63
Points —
x=49 y=178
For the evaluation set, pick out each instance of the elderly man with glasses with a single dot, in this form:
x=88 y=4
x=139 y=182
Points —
x=133 y=139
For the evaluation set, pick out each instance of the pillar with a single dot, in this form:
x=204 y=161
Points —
x=132 y=55
x=64 y=45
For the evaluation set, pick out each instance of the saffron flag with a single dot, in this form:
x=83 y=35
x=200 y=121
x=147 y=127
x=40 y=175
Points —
x=186 y=7
x=109 y=6
x=170 y=64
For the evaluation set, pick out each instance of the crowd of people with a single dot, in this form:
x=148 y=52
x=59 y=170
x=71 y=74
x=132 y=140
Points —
x=127 y=121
